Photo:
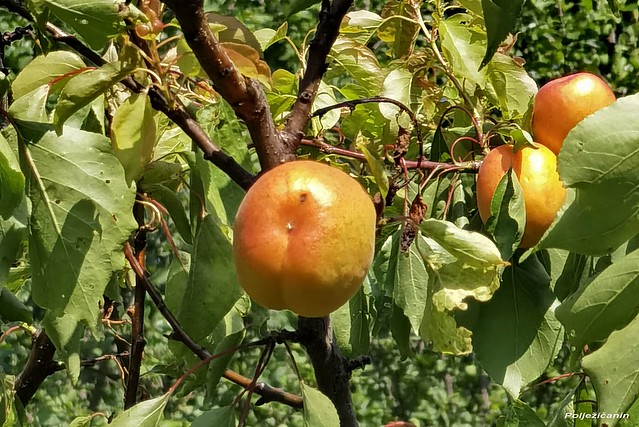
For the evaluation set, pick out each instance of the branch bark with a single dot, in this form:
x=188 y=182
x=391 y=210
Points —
x=331 y=16
x=273 y=148
x=244 y=94
x=331 y=367
x=137 y=316
x=39 y=366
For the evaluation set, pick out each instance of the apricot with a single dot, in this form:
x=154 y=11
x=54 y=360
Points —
x=542 y=190
x=562 y=103
x=304 y=238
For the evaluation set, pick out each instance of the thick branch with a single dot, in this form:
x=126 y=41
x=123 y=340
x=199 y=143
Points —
x=331 y=17
x=331 y=367
x=39 y=366
x=244 y=94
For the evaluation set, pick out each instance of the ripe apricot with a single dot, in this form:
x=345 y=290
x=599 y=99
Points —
x=304 y=238
x=542 y=190
x=562 y=103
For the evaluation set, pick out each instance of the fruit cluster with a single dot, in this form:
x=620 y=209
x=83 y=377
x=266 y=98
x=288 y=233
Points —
x=559 y=106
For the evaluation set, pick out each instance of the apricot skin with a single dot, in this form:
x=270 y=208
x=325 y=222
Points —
x=536 y=171
x=304 y=238
x=562 y=103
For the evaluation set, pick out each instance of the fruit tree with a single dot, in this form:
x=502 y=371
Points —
x=222 y=212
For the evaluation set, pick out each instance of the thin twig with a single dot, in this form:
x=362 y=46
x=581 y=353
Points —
x=377 y=100
x=267 y=393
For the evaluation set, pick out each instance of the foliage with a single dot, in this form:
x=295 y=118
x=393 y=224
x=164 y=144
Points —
x=100 y=157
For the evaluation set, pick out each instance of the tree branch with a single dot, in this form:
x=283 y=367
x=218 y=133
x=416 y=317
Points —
x=177 y=114
x=267 y=393
x=331 y=16
x=17 y=8
x=244 y=94
x=332 y=369
x=137 y=316
x=39 y=366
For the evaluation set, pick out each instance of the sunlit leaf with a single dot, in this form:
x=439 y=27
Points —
x=85 y=87
x=133 y=135
x=143 y=414
x=95 y=20
x=614 y=373
x=319 y=411
x=357 y=61
x=600 y=161
x=400 y=34
x=46 y=69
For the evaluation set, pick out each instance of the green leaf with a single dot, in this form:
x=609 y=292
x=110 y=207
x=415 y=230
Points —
x=400 y=34
x=13 y=234
x=81 y=217
x=66 y=332
x=613 y=371
x=218 y=417
x=397 y=86
x=500 y=17
x=360 y=25
x=325 y=98
x=267 y=37
x=606 y=304
x=376 y=165
x=223 y=196
x=12 y=309
x=56 y=66
x=11 y=180
x=349 y=57
x=297 y=6
x=507 y=215
x=85 y=87
x=212 y=288
x=95 y=20
x=509 y=86
x=516 y=334
x=463 y=47
x=614 y=6
x=410 y=292
x=9 y=415
x=133 y=134
x=81 y=421
x=232 y=30
x=319 y=411
x=351 y=324
x=521 y=415
x=173 y=204
x=144 y=414
x=600 y=161
x=228 y=333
